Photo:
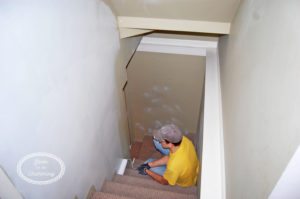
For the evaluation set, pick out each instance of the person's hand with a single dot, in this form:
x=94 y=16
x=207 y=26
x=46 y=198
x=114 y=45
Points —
x=143 y=171
x=142 y=168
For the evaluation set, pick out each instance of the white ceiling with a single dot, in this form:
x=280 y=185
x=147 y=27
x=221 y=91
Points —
x=198 y=10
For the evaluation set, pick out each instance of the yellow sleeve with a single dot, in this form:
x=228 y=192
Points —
x=171 y=176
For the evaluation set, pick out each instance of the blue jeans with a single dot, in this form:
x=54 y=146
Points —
x=160 y=169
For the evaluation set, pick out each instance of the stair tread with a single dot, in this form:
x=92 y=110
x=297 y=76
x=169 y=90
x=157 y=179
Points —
x=142 y=192
x=133 y=172
x=149 y=183
x=102 y=195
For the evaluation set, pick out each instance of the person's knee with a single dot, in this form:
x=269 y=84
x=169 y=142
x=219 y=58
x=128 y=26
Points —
x=149 y=160
x=159 y=170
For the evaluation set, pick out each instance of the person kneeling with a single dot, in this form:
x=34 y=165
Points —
x=179 y=164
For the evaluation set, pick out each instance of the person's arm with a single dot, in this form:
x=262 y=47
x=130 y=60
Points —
x=157 y=177
x=159 y=162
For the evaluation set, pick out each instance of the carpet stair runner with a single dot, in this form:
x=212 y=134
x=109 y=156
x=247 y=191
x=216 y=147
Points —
x=130 y=187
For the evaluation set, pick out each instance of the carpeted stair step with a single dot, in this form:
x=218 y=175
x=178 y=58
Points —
x=149 y=183
x=102 y=195
x=136 y=163
x=134 y=173
x=142 y=192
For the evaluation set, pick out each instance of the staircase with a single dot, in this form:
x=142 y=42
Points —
x=132 y=185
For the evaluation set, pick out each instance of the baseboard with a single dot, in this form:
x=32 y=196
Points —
x=122 y=166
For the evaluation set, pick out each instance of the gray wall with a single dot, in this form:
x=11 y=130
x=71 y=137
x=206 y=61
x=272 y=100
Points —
x=59 y=92
x=260 y=92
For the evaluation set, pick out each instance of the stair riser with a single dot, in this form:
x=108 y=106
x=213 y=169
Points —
x=149 y=183
x=142 y=193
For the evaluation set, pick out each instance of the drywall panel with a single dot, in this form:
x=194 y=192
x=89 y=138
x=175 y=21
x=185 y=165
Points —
x=127 y=49
x=164 y=88
x=59 y=92
x=260 y=91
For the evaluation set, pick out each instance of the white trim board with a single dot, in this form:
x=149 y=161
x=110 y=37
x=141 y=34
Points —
x=175 y=46
x=179 y=42
x=173 y=50
x=213 y=167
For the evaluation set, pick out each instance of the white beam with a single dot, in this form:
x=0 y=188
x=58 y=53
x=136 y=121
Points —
x=174 y=25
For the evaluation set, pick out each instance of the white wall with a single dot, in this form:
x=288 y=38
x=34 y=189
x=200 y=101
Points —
x=260 y=89
x=58 y=91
